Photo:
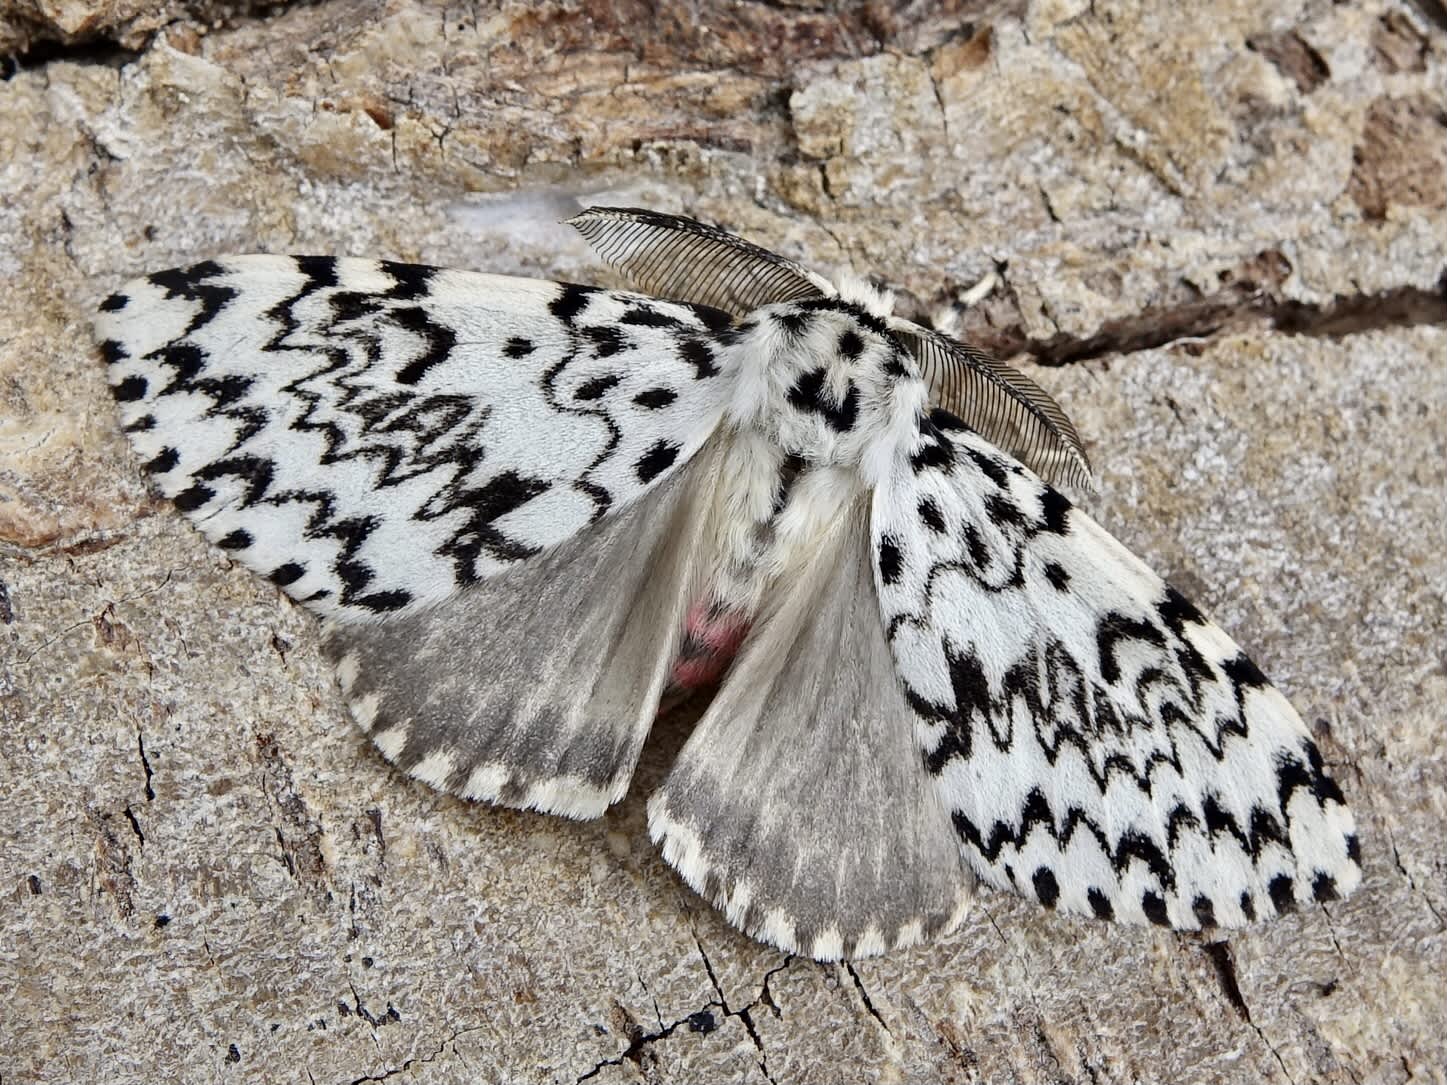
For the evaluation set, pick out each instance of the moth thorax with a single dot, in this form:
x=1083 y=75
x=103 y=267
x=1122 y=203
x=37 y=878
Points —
x=824 y=379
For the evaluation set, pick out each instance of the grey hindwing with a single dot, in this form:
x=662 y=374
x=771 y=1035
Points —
x=536 y=688
x=800 y=805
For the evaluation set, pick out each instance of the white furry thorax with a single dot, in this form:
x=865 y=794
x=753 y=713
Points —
x=825 y=398
x=826 y=382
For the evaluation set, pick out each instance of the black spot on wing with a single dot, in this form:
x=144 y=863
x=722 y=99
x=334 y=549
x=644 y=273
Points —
x=131 y=389
x=186 y=361
x=698 y=354
x=850 y=345
x=411 y=280
x=1243 y=673
x=1176 y=610
x=1248 y=907
x=606 y=340
x=239 y=539
x=645 y=316
x=715 y=320
x=163 y=462
x=1099 y=904
x=115 y=303
x=1054 y=511
x=1204 y=910
x=1292 y=775
x=988 y=465
x=518 y=347
x=947 y=421
x=1002 y=511
x=571 y=300
x=1283 y=892
x=179 y=281
x=656 y=460
x=142 y=424
x=1323 y=887
x=1154 y=906
x=1047 y=889
x=112 y=352
x=192 y=498
x=597 y=387
x=975 y=546
x=655 y=398
x=891 y=560
x=1058 y=577
x=930 y=515
x=321 y=270
x=289 y=573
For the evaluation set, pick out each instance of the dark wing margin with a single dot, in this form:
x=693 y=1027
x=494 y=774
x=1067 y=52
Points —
x=684 y=260
x=1000 y=403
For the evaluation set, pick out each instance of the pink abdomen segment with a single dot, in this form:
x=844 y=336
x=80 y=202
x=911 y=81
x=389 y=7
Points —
x=711 y=636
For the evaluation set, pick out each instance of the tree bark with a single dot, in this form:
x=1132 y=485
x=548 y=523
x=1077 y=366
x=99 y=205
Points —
x=1218 y=235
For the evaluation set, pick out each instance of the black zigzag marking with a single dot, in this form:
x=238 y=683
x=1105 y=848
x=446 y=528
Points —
x=590 y=342
x=1069 y=697
x=439 y=338
x=187 y=362
x=401 y=433
x=496 y=498
x=1067 y=712
x=405 y=434
x=423 y=433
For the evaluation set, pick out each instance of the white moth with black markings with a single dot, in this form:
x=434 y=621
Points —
x=525 y=510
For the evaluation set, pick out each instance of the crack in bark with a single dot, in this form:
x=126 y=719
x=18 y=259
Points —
x=373 y=1021
x=701 y=1020
x=1399 y=307
x=135 y=826
x=1272 y=1048
x=89 y=51
x=1225 y=966
x=415 y=1061
x=1412 y=882
x=864 y=996
x=146 y=765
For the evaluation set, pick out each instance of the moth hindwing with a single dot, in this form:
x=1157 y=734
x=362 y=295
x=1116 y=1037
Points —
x=528 y=510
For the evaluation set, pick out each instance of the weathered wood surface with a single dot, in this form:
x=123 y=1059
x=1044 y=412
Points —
x=1222 y=228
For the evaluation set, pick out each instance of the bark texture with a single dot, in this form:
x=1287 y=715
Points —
x=1219 y=234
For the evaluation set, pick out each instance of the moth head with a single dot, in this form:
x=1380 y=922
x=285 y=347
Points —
x=684 y=260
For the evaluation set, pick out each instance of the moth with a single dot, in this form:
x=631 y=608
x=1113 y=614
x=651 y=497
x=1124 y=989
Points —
x=526 y=510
